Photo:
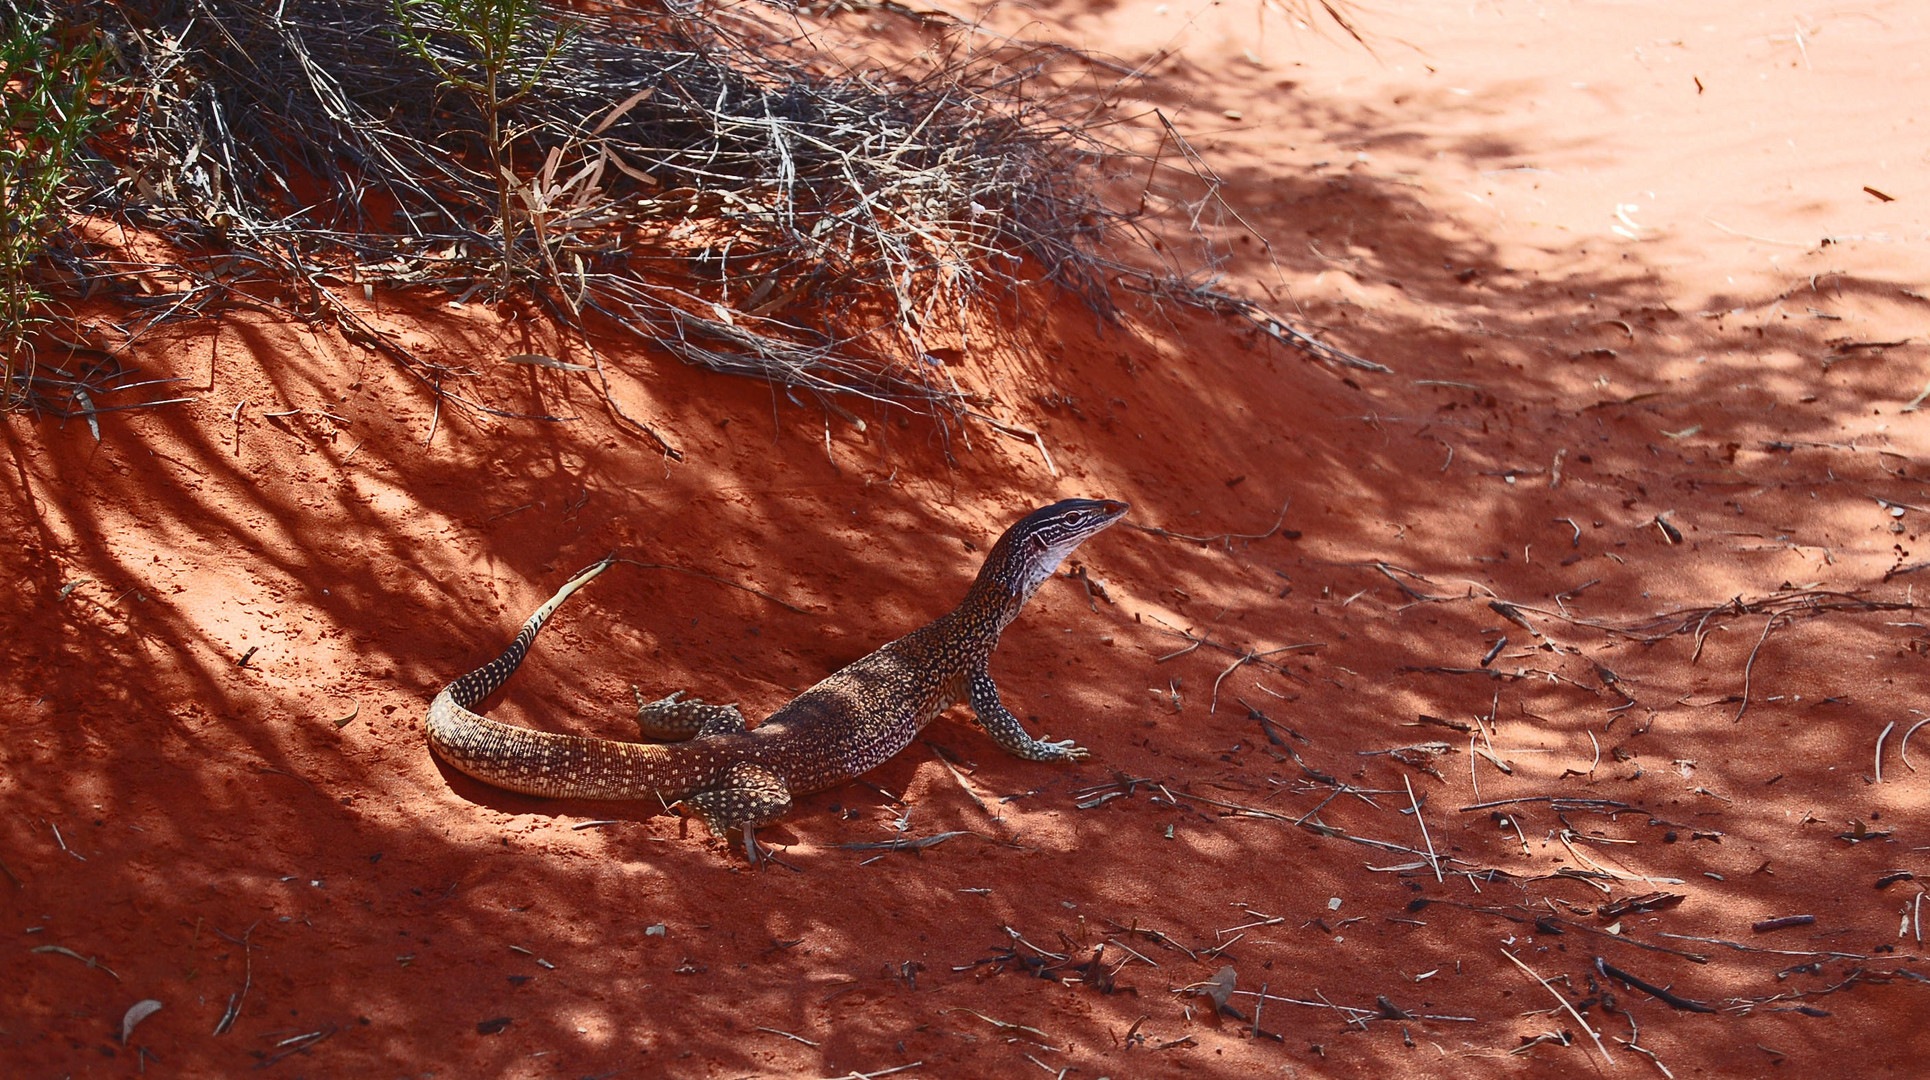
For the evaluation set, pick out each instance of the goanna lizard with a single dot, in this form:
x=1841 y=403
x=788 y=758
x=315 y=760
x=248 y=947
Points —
x=734 y=776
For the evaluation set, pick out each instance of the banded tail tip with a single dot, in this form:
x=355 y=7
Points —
x=593 y=569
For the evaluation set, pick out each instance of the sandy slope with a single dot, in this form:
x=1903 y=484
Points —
x=1622 y=260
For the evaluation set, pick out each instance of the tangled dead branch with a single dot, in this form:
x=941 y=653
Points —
x=1786 y=604
x=728 y=187
x=723 y=190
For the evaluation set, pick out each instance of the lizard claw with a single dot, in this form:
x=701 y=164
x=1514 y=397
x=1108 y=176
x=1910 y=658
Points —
x=1061 y=750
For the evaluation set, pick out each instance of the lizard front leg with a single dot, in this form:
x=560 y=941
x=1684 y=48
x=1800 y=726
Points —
x=1005 y=729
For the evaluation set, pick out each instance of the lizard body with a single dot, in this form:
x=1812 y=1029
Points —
x=855 y=719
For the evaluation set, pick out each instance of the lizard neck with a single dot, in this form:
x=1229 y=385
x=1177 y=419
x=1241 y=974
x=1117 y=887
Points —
x=1006 y=581
x=1014 y=569
x=975 y=624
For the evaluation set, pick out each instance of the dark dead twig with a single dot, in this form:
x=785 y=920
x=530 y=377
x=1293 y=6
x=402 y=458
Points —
x=1610 y=971
x=1213 y=705
x=1856 y=977
x=1216 y=538
x=906 y=843
x=235 y=1000
x=1749 y=668
x=1195 y=641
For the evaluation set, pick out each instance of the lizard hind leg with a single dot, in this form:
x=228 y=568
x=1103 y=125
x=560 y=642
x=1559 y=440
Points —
x=675 y=718
x=747 y=794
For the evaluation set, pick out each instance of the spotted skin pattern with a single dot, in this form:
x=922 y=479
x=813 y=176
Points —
x=673 y=718
x=857 y=718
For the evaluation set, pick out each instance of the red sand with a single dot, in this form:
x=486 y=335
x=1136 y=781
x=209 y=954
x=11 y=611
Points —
x=1447 y=206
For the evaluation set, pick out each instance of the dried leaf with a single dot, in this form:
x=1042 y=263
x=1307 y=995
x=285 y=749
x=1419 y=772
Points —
x=136 y=1013
x=88 y=410
x=1219 y=987
x=344 y=721
x=616 y=114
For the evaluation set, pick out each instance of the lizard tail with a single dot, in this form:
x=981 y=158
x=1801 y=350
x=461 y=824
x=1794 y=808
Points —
x=548 y=763
x=486 y=680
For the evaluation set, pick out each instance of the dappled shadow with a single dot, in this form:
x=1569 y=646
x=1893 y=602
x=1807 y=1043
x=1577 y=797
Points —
x=1538 y=423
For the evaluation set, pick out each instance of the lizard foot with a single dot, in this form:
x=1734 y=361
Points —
x=675 y=718
x=749 y=794
x=1061 y=750
x=1008 y=733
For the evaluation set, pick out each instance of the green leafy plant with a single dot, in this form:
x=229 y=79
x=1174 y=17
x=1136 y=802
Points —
x=501 y=49
x=48 y=83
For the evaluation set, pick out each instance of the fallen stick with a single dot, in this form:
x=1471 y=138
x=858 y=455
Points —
x=1610 y=971
x=1432 y=859
x=1564 y=1004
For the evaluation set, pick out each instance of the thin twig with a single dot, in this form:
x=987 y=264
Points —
x=786 y=1034
x=233 y=1010
x=1749 y=668
x=1216 y=537
x=1903 y=744
x=1214 y=705
x=718 y=580
x=1564 y=1004
x=1432 y=859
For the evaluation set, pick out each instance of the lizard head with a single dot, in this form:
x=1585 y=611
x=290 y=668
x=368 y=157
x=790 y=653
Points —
x=1034 y=547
